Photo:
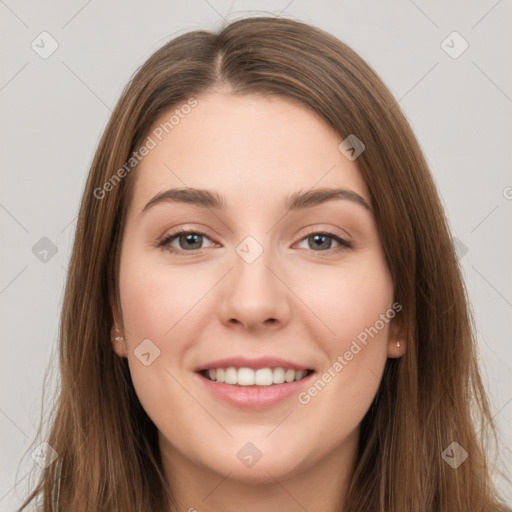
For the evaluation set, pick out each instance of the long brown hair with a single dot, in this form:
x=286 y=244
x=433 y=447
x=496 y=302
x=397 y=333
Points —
x=108 y=454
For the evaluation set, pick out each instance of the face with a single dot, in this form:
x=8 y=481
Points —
x=289 y=301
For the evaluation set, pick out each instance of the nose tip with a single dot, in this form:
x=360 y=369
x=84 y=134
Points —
x=253 y=296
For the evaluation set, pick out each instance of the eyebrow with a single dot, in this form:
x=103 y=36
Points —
x=213 y=200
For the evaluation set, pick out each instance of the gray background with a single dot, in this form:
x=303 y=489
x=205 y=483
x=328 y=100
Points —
x=54 y=110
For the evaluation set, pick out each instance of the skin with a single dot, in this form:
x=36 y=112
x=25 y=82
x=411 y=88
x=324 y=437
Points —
x=211 y=304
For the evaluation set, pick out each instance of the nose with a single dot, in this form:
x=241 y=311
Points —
x=254 y=294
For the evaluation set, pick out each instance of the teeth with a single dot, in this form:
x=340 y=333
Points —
x=278 y=376
x=250 y=377
x=289 y=375
x=245 y=377
x=299 y=374
x=231 y=376
x=263 y=377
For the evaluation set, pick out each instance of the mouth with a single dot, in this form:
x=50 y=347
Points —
x=253 y=383
x=244 y=376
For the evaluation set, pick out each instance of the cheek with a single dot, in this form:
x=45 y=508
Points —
x=348 y=300
x=155 y=303
x=157 y=300
x=357 y=307
x=163 y=305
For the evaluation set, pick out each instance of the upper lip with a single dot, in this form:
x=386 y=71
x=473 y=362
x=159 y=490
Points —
x=260 y=362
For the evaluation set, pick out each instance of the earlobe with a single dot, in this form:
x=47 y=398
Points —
x=396 y=347
x=118 y=341
x=397 y=344
x=119 y=346
x=116 y=334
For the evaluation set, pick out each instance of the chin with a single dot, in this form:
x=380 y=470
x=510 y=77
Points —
x=260 y=461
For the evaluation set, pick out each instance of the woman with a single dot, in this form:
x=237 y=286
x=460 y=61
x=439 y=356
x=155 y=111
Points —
x=312 y=349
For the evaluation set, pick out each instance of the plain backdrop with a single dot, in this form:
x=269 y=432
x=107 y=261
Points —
x=55 y=106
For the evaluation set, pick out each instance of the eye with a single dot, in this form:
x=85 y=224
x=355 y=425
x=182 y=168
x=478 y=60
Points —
x=188 y=241
x=322 y=242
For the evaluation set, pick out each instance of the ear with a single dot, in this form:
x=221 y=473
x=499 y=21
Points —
x=117 y=335
x=397 y=342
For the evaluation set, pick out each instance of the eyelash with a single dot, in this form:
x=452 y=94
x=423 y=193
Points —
x=165 y=242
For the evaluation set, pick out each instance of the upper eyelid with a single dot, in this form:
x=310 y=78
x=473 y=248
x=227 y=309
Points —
x=202 y=230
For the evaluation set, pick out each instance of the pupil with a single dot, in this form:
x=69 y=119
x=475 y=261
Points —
x=189 y=238
x=316 y=237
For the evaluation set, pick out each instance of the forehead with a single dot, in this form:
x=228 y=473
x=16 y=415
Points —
x=253 y=149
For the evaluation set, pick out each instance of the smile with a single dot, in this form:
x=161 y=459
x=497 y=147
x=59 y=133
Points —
x=254 y=377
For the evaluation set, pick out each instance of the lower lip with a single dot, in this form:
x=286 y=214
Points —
x=254 y=397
